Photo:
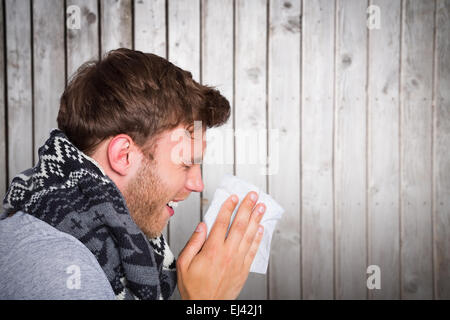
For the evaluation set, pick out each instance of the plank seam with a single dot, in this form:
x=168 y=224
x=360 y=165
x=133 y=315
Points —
x=267 y=125
x=132 y=25
x=369 y=294
x=99 y=35
x=33 y=138
x=433 y=153
x=5 y=69
x=166 y=22
x=400 y=146
x=335 y=235
x=167 y=57
x=234 y=87
x=301 y=147
x=65 y=43
x=201 y=82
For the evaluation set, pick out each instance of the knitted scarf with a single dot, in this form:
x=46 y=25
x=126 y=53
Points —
x=69 y=190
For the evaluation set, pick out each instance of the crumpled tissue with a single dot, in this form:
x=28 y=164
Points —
x=232 y=185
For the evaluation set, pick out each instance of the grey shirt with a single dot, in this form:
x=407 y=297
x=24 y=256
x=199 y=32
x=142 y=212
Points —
x=38 y=261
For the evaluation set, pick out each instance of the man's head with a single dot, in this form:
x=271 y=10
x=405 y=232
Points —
x=127 y=111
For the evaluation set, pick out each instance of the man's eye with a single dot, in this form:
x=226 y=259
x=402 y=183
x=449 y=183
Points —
x=186 y=166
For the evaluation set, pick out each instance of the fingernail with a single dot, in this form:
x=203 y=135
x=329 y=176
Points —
x=234 y=198
x=261 y=209
x=199 y=228
x=260 y=229
x=253 y=196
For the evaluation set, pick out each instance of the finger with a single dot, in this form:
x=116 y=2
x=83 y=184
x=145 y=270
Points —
x=240 y=223
x=254 y=248
x=220 y=226
x=255 y=219
x=192 y=247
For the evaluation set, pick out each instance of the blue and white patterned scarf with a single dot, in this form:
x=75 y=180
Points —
x=69 y=190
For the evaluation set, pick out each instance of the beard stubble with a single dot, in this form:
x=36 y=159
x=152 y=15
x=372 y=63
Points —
x=146 y=197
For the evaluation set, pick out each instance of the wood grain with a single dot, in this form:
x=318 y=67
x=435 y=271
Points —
x=350 y=150
x=116 y=25
x=442 y=153
x=317 y=150
x=19 y=91
x=82 y=44
x=3 y=142
x=150 y=26
x=48 y=57
x=383 y=149
x=284 y=145
x=416 y=149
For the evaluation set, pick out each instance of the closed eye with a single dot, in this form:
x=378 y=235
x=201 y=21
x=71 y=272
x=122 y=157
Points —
x=186 y=166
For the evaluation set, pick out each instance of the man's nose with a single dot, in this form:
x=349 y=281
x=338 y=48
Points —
x=194 y=182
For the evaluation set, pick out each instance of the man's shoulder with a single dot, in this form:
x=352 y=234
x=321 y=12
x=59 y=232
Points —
x=41 y=262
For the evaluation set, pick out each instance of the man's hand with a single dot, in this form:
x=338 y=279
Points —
x=219 y=267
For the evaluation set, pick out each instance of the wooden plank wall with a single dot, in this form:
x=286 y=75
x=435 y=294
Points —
x=317 y=132
x=350 y=149
x=355 y=120
x=383 y=149
x=284 y=143
x=416 y=148
x=441 y=164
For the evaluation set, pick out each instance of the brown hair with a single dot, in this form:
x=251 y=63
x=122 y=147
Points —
x=136 y=93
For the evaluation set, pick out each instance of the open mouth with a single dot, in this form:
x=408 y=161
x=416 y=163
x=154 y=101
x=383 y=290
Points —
x=170 y=205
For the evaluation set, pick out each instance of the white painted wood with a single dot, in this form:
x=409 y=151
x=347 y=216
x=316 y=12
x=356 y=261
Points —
x=116 y=25
x=82 y=44
x=442 y=153
x=416 y=149
x=250 y=109
x=184 y=51
x=3 y=123
x=317 y=150
x=350 y=150
x=217 y=71
x=150 y=26
x=383 y=149
x=284 y=145
x=19 y=91
x=48 y=57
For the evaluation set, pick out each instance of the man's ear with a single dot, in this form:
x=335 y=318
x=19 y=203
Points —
x=119 y=154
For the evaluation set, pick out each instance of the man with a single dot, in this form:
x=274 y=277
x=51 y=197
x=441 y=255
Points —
x=86 y=221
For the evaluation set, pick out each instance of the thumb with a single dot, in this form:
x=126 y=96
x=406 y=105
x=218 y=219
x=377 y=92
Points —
x=193 y=246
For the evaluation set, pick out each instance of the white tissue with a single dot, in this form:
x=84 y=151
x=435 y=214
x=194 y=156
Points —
x=233 y=185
